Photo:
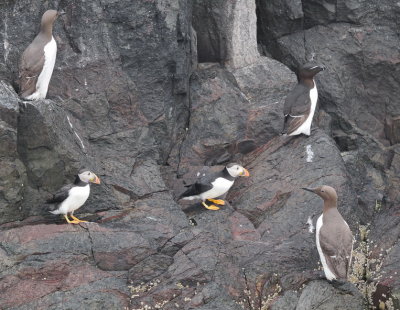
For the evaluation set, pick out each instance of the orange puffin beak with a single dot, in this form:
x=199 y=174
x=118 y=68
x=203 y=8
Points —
x=245 y=173
x=95 y=180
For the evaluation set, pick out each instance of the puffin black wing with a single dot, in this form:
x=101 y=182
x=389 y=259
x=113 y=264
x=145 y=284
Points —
x=296 y=108
x=196 y=189
x=337 y=249
x=61 y=195
x=202 y=185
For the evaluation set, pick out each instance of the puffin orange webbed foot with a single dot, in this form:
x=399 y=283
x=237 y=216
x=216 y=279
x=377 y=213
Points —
x=69 y=221
x=217 y=201
x=212 y=207
x=78 y=220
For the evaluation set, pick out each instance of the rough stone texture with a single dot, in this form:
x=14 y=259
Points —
x=114 y=114
x=233 y=112
x=225 y=32
x=358 y=42
x=132 y=99
x=12 y=170
x=321 y=295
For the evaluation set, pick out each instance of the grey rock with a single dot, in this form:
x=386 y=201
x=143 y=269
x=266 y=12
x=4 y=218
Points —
x=357 y=42
x=12 y=170
x=226 y=32
x=287 y=301
x=160 y=90
x=233 y=112
x=321 y=295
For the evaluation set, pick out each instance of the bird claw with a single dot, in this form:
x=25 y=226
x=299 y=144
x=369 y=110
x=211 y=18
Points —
x=212 y=207
x=75 y=220
x=78 y=220
x=217 y=201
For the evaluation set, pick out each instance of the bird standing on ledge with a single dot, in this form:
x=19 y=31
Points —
x=37 y=61
x=72 y=196
x=300 y=104
x=333 y=236
x=214 y=185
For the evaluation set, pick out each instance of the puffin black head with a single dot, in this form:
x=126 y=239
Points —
x=309 y=70
x=236 y=170
x=326 y=192
x=88 y=176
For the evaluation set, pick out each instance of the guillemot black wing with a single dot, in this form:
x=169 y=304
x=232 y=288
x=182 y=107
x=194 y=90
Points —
x=336 y=245
x=296 y=108
x=61 y=195
x=31 y=65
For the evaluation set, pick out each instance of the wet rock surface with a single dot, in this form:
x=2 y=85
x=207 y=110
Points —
x=152 y=93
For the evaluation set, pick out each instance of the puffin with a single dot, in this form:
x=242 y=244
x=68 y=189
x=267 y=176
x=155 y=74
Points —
x=214 y=185
x=72 y=196
x=300 y=104
x=37 y=61
x=334 y=238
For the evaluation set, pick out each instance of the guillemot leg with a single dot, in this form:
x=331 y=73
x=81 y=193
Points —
x=69 y=221
x=76 y=219
x=217 y=201
x=212 y=207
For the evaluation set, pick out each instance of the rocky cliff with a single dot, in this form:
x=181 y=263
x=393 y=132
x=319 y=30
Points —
x=147 y=94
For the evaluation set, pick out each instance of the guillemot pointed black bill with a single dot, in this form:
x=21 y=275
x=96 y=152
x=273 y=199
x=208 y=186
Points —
x=37 y=61
x=308 y=189
x=211 y=186
x=300 y=104
x=334 y=238
x=72 y=196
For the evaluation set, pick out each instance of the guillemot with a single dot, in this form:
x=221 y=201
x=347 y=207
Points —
x=334 y=238
x=300 y=104
x=37 y=61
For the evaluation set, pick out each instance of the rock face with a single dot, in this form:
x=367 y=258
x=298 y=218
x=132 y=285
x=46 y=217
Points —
x=225 y=32
x=12 y=170
x=148 y=94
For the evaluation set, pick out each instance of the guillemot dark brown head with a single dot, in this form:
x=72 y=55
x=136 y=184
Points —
x=309 y=70
x=48 y=19
x=327 y=193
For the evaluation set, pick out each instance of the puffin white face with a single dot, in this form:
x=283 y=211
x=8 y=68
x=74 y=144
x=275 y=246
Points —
x=88 y=176
x=236 y=170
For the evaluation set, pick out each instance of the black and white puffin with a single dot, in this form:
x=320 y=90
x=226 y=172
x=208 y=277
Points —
x=333 y=236
x=214 y=185
x=300 y=104
x=72 y=196
x=37 y=61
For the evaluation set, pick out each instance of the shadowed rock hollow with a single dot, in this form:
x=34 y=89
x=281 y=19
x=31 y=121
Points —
x=147 y=94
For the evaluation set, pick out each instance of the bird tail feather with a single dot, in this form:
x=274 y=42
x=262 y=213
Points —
x=187 y=198
x=55 y=211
